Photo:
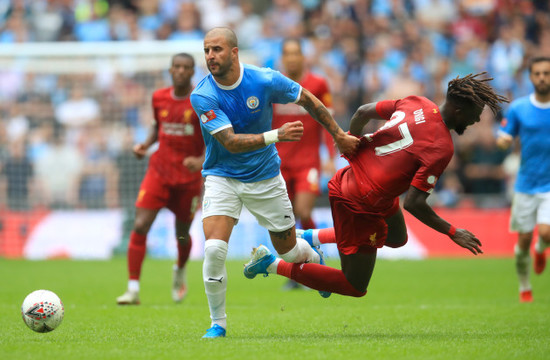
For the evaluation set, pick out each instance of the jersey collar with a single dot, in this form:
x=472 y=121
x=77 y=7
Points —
x=237 y=83
x=537 y=103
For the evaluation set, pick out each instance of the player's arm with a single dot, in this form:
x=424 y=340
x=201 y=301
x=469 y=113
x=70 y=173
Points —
x=237 y=143
x=362 y=116
x=140 y=150
x=346 y=144
x=415 y=203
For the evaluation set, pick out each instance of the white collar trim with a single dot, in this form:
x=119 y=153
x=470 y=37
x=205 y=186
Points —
x=536 y=103
x=237 y=83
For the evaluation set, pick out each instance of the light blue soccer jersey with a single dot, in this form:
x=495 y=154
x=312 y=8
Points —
x=530 y=120
x=247 y=107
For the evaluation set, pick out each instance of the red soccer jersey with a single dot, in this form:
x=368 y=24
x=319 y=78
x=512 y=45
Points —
x=412 y=148
x=179 y=136
x=304 y=153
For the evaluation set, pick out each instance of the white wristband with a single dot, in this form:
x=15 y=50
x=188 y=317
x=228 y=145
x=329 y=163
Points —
x=271 y=136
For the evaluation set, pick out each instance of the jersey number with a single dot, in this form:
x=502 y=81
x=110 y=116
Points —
x=406 y=138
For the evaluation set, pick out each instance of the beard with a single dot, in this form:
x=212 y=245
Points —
x=221 y=68
x=542 y=89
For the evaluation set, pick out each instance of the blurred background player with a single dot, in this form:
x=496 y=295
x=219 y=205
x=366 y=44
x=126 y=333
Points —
x=234 y=103
x=528 y=118
x=300 y=161
x=173 y=179
x=410 y=152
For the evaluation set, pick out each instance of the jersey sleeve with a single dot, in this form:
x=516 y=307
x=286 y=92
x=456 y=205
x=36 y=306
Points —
x=386 y=108
x=212 y=118
x=434 y=162
x=510 y=124
x=284 y=90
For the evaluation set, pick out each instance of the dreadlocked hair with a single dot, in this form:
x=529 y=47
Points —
x=472 y=91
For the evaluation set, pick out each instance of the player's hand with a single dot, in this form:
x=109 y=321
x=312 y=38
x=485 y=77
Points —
x=139 y=150
x=467 y=240
x=504 y=141
x=291 y=131
x=193 y=163
x=347 y=144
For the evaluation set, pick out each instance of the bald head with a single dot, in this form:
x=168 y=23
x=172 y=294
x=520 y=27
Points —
x=224 y=32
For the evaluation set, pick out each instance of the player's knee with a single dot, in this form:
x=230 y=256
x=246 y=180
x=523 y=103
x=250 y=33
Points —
x=397 y=241
x=544 y=233
x=141 y=226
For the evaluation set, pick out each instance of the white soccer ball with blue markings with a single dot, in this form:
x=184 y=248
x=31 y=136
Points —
x=42 y=311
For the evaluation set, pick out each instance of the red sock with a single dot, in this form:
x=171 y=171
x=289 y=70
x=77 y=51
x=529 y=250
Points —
x=183 y=251
x=327 y=236
x=307 y=223
x=136 y=253
x=318 y=277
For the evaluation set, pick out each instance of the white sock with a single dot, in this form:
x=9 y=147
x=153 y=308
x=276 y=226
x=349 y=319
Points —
x=215 y=279
x=133 y=285
x=540 y=246
x=523 y=264
x=315 y=237
x=272 y=268
x=301 y=253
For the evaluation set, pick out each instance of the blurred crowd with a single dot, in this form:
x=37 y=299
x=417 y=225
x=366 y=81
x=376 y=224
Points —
x=65 y=140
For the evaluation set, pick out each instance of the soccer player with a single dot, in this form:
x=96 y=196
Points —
x=173 y=179
x=234 y=104
x=527 y=118
x=409 y=153
x=300 y=161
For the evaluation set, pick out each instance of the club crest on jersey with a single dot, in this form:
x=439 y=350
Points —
x=252 y=102
x=207 y=116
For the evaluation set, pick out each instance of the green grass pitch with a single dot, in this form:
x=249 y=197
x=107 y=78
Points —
x=432 y=309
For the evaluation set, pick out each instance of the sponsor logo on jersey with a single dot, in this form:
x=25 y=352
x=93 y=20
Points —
x=432 y=179
x=187 y=114
x=207 y=116
x=252 y=102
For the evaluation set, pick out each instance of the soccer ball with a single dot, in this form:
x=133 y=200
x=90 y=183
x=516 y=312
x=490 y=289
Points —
x=42 y=311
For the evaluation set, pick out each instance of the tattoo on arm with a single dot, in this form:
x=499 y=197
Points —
x=318 y=111
x=237 y=143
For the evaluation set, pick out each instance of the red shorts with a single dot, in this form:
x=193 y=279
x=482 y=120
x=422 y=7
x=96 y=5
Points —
x=182 y=200
x=359 y=222
x=301 y=180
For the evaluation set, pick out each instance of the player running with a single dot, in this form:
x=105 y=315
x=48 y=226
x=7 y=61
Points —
x=527 y=119
x=173 y=179
x=408 y=153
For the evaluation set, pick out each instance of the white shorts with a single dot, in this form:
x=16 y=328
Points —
x=529 y=210
x=267 y=200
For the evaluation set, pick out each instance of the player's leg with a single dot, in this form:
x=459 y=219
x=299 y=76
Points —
x=522 y=220
x=303 y=207
x=268 y=201
x=137 y=249
x=183 y=203
x=397 y=230
x=351 y=281
x=220 y=210
x=543 y=225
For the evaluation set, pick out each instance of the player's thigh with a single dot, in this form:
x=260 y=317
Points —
x=184 y=201
x=397 y=230
x=221 y=197
x=358 y=268
x=144 y=219
x=523 y=217
x=268 y=201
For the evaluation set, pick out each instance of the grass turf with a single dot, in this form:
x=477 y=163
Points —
x=433 y=309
